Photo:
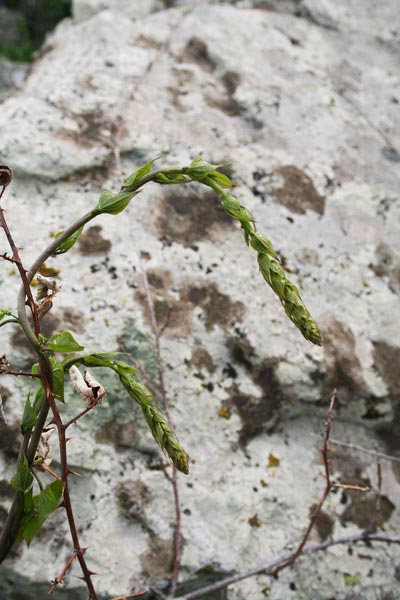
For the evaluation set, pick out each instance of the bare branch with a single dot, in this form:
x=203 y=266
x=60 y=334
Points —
x=274 y=566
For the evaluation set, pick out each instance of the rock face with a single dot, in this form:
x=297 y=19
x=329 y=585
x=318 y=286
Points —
x=301 y=101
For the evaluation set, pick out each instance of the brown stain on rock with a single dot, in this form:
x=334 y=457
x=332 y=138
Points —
x=10 y=439
x=362 y=511
x=157 y=562
x=342 y=366
x=196 y=51
x=226 y=101
x=201 y=359
x=387 y=265
x=94 y=127
x=6 y=491
x=258 y=414
x=72 y=318
x=323 y=523
x=123 y=436
x=186 y=216
x=298 y=192
x=92 y=242
x=146 y=41
x=132 y=496
x=171 y=314
x=219 y=309
x=175 y=94
x=387 y=363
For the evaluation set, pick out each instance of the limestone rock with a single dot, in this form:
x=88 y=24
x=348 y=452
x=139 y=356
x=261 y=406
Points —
x=299 y=100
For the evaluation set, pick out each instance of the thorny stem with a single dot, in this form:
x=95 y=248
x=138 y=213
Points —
x=24 y=374
x=14 y=517
x=325 y=494
x=174 y=479
x=63 y=573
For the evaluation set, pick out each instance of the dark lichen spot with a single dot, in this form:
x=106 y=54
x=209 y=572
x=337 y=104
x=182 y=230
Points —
x=196 y=51
x=298 y=192
x=159 y=279
x=187 y=216
x=323 y=523
x=123 y=436
x=242 y=351
x=132 y=497
x=362 y=512
x=258 y=414
x=219 y=309
x=342 y=366
x=171 y=314
x=92 y=242
x=201 y=359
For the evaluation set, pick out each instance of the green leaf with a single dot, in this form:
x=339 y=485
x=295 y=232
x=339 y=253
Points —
x=170 y=178
x=63 y=342
x=122 y=367
x=58 y=378
x=352 y=580
x=28 y=417
x=39 y=399
x=113 y=204
x=102 y=359
x=199 y=168
x=6 y=313
x=221 y=179
x=44 y=504
x=141 y=172
x=22 y=480
x=68 y=243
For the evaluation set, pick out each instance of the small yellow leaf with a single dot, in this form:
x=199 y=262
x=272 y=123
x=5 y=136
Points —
x=273 y=461
x=48 y=271
x=224 y=413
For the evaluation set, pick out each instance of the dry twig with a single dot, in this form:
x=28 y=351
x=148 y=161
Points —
x=164 y=399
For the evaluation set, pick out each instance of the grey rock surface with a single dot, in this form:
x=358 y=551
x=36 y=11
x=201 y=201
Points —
x=302 y=101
